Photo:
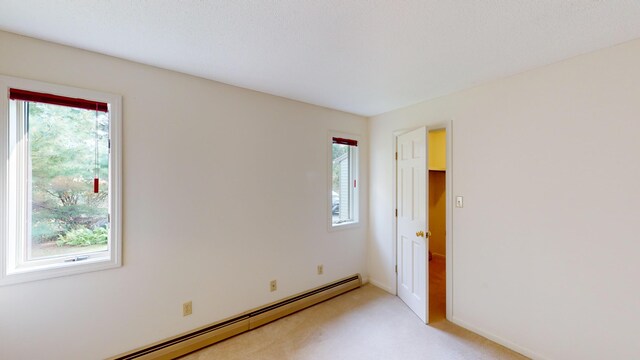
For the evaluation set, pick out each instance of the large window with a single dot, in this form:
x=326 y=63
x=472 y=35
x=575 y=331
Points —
x=344 y=180
x=60 y=181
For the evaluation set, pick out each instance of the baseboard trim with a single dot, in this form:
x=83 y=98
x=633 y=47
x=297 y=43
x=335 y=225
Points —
x=185 y=343
x=497 y=339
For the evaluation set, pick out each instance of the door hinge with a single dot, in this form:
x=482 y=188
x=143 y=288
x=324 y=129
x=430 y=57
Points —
x=396 y=212
x=396 y=269
x=396 y=155
x=109 y=146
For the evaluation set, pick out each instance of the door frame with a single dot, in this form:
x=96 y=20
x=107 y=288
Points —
x=436 y=125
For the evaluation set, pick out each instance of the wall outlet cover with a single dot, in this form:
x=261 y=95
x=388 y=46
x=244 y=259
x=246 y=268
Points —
x=187 y=308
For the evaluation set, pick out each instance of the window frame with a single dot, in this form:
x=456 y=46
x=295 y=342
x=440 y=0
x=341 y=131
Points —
x=12 y=270
x=355 y=169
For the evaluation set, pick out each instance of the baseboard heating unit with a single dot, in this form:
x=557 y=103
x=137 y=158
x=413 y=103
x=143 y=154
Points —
x=196 y=339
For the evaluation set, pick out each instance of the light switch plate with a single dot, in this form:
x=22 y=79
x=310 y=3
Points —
x=459 y=202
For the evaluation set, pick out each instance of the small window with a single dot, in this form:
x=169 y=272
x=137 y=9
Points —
x=61 y=178
x=344 y=181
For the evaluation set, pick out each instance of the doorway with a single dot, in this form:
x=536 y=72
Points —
x=423 y=221
x=437 y=224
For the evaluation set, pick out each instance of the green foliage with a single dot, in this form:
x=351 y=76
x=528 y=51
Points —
x=84 y=237
x=44 y=229
x=337 y=151
x=62 y=146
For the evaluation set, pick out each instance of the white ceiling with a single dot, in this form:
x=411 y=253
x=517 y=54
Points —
x=364 y=57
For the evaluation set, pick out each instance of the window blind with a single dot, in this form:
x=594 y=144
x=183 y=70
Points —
x=343 y=141
x=25 y=95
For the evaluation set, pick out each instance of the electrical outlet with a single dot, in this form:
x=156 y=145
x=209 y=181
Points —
x=273 y=285
x=320 y=269
x=187 y=308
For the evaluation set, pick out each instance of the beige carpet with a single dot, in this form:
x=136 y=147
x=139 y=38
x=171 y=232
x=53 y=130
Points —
x=366 y=323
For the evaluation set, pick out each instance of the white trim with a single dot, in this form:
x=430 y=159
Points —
x=12 y=274
x=4 y=187
x=357 y=194
x=448 y=126
x=115 y=128
x=394 y=216
x=497 y=339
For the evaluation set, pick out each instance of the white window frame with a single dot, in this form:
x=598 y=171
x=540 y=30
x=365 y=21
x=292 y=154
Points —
x=13 y=269
x=354 y=163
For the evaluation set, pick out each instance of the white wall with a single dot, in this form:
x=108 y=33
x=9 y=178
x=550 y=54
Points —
x=224 y=190
x=546 y=253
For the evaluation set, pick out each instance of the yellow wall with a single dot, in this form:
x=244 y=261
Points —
x=437 y=193
x=438 y=150
x=437 y=211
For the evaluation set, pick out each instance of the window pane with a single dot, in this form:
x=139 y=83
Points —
x=68 y=148
x=342 y=188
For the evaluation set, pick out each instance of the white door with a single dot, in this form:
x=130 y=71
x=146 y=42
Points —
x=412 y=225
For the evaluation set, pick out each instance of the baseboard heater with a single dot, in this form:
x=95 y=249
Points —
x=193 y=340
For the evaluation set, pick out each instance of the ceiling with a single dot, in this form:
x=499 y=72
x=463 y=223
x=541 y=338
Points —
x=363 y=57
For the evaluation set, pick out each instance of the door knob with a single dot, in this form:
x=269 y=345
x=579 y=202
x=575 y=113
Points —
x=420 y=233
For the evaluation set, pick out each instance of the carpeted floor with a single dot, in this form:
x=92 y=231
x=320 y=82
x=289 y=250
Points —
x=366 y=323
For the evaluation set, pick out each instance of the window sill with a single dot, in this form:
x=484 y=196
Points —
x=344 y=225
x=33 y=273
